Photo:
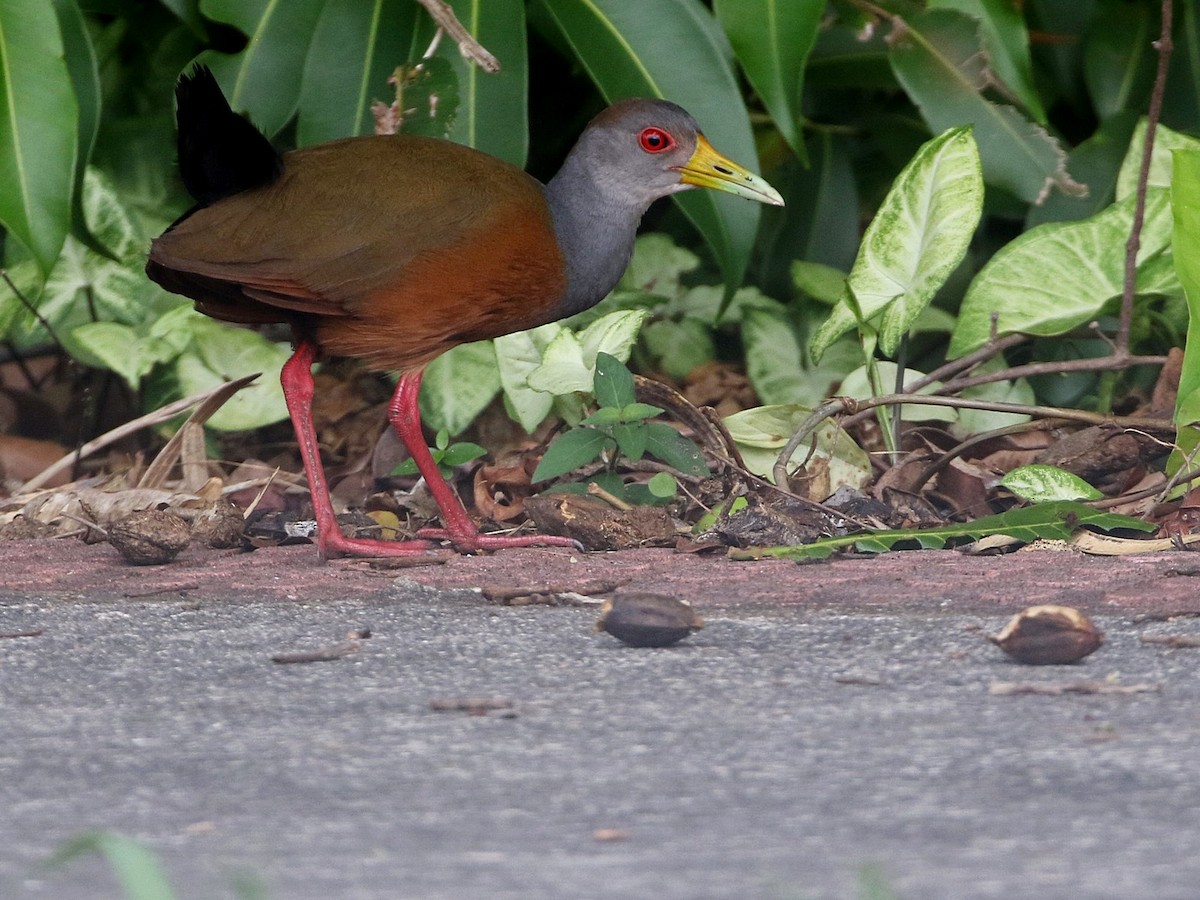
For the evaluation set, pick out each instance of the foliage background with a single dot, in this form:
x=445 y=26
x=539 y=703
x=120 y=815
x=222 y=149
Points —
x=830 y=101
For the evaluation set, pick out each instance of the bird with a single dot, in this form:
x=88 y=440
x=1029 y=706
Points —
x=392 y=249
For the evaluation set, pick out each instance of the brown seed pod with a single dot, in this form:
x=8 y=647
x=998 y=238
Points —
x=1049 y=636
x=648 y=620
x=149 y=537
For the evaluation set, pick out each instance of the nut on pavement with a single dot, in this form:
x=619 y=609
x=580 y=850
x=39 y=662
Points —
x=648 y=620
x=1049 y=636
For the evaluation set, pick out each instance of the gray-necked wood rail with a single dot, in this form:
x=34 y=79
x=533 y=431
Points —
x=393 y=249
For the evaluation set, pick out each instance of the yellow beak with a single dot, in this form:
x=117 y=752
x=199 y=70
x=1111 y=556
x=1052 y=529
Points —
x=709 y=169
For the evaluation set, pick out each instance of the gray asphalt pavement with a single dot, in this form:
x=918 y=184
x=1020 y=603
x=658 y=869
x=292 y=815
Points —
x=772 y=755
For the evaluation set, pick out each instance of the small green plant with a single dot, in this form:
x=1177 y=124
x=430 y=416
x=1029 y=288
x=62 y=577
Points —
x=620 y=428
x=445 y=454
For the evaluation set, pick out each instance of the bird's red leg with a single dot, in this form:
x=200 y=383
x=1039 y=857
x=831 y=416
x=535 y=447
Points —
x=405 y=416
x=298 y=389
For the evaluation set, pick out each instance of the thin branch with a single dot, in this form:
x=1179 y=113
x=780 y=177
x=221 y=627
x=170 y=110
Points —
x=467 y=45
x=1164 y=47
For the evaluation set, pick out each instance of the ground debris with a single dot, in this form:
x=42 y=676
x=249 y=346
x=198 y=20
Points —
x=475 y=706
x=1172 y=640
x=352 y=643
x=1014 y=688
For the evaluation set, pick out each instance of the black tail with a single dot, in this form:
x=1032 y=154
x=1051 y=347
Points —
x=220 y=152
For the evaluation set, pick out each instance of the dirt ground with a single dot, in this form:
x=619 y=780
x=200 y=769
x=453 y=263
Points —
x=1156 y=583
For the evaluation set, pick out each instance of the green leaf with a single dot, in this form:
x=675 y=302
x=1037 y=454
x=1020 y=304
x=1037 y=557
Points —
x=665 y=443
x=493 y=108
x=461 y=453
x=80 y=57
x=1166 y=142
x=458 y=386
x=263 y=80
x=657 y=265
x=772 y=40
x=1185 y=194
x=761 y=433
x=1046 y=521
x=673 y=49
x=938 y=58
x=1045 y=484
x=1060 y=275
x=604 y=416
x=613 y=383
x=518 y=356
x=222 y=353
x=917 y=238
x=821 y=282
x=631 y=439
x=679 y=348
x=635 y=412
x=614 y=333
x=1006 y=42
x=138 y=871
x=356 y=46
x=1119 y=56
x=39 y=130
x=570 y=450
x=663 y=485
x=563 y=369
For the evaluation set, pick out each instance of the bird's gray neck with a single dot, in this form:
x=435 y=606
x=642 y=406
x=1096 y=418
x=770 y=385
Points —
x=596 y=227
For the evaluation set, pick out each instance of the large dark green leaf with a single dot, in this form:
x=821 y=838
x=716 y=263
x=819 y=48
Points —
x=1185 y=200
x=264 y=78
x=938 y=58
x=85 y=79
x=673 y=49
x=772 y=40
x=39 y=129
x=356 y=46
x=493 y=114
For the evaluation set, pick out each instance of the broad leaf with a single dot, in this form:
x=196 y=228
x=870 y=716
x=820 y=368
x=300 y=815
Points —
x=493 y=107
x=221 y=354
x=1185 y=192
x=570 y=450
x=1045 y=484
x=39 y=129
x=919 y=235
x=938 y=58
x=857 y=385
x=613 y=383
x=761 y=433
x=264 y=78
x=458 y=385
x=665 y=443
x=1006 y=41
x=614 y=333
x=1166 y=142
x=1119 y=56
x=1061 y=275
x=631 y=440
x=138 y=871
x=356 y=46
x=518 y=355
x=673 y=49
x=85 y=82
x=772 y=40
x=563 y=369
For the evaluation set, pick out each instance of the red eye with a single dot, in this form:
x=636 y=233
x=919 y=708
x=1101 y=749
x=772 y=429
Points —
x=655 y=140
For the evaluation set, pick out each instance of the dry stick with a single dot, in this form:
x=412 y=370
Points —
x=467 y=45
x=1164 y=47
x=848 y=404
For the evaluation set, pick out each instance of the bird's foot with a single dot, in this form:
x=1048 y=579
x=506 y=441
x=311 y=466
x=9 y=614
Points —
x=337 y=544
x=475 y=542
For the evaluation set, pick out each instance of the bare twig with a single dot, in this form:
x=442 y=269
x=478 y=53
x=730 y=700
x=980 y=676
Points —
x=467 y=45
x=1164 y=47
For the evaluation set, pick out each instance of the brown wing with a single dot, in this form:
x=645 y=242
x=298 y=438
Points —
x=392 y=249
